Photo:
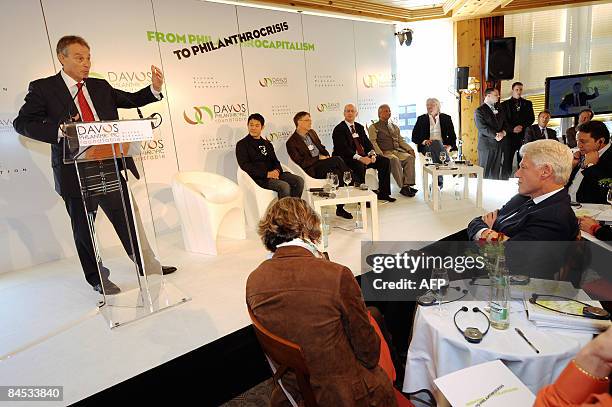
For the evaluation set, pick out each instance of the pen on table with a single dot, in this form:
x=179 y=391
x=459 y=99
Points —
x=518 y=331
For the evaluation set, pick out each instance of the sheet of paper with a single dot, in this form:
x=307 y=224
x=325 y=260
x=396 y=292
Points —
x=489 y=384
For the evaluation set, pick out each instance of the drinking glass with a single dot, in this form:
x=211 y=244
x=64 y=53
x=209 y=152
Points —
x=428 y=159
x=440 y=283
x=443 y=157
x=347 y=177
x=335 y=181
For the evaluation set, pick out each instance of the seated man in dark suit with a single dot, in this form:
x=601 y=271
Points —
x=540 y=131
x=353 y=145
x=306 y=150
x=592 y=163
x=541 y=211
x=256 y=157
x=584 y=116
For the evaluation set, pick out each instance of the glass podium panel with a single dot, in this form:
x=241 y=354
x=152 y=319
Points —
x=116 y=202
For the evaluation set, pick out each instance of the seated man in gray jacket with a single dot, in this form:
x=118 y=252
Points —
x=388 y=142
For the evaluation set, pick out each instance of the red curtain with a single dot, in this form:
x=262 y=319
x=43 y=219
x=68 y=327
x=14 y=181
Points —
x=490 y=27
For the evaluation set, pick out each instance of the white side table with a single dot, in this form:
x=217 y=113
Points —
x=465 y=170
x=354 y=196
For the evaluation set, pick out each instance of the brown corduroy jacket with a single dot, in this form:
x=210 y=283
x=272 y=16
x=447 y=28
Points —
x=318 y=305
x=299 y=153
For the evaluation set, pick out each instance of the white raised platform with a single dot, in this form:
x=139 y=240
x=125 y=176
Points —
x=52 y=334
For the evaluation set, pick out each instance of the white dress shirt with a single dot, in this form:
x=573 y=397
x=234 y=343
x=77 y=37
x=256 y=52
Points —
x=575 y=185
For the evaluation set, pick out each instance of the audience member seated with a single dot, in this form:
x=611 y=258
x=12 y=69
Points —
x=305 y=149
x=592 y=163
x=433 y=129
x=585 y=115
x=540 y=131
x=592 y=226
x=256 y=157
x=352 y=144
x=388 y=142
x=302 y=297
x=541 y=210
x=585 y=381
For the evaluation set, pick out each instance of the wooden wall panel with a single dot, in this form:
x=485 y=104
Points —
x=468 y=54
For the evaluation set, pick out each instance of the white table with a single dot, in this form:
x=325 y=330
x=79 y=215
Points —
x=434 y=171
x=354 y=195
x=438 y=348
x=600 y=212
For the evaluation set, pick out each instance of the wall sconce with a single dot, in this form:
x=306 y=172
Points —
x=473 y=88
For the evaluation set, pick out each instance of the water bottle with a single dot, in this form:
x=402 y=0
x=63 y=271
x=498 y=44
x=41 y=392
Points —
x=325 y=229
x=459 y=149
x=500 y=296
x=358 y=220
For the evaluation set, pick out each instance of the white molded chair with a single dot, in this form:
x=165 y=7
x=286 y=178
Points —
x=209 y=205
x=255 y=198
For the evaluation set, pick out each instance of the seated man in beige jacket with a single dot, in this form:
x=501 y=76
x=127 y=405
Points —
x=388 y=142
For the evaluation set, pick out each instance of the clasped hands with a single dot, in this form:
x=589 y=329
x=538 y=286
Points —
x=500 y=135
x=491 y=235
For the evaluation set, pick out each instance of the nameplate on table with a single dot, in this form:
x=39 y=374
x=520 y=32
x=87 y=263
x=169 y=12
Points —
x=110 y=132
x=490 y=384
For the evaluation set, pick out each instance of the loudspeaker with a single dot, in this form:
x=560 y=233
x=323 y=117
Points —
x=461 y=77
x=500 y=58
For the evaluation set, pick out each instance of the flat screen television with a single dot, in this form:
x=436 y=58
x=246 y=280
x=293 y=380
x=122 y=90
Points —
x=567 y=95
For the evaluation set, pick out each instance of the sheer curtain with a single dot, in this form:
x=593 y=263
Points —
x=425 y=69
x=558 y=42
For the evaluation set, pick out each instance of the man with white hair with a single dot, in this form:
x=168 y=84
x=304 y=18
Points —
x=541 y=210
x=388 y=142
x=434 y=132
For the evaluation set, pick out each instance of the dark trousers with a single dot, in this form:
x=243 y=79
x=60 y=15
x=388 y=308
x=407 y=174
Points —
x=510 y=148
x=287 y=184
x=113 y=206
x=381 y=165
x=490 y=157
x=332 y=164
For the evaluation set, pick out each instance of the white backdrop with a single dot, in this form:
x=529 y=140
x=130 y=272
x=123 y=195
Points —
x=323 y=63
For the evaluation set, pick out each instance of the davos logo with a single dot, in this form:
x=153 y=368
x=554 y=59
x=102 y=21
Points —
x=123 y=77
x=379 y=81
x=95 y=129
x=328 y=107
x=269 y=82
x=203 y=114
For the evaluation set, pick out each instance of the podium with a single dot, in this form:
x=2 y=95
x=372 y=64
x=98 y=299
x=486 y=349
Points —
x=107 y=158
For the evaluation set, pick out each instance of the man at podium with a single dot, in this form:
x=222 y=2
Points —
x=72 y=95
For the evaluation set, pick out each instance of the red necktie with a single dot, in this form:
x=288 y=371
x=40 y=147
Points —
x=86 y=113
x=358 y=145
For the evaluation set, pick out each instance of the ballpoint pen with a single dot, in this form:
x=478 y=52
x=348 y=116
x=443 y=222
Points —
x=518 y=331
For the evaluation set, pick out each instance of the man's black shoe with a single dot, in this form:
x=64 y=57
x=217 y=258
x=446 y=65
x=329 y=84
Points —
x=413 y=190
x=168 y=270
x=343 y=213
x=386 y=198
x=110 y=288
x=407 y=191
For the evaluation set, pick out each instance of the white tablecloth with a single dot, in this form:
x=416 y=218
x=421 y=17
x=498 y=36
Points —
x=438 y=348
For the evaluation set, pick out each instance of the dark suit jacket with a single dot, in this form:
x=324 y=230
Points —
x=534 y=133
x=299 y=153
x=570 y=138
x=488 y=124
x=252 y=161
x=420 y=132
x=325 y=314
x=551 y=220
x=343 y=141
x=568 y=100
x=590 y=191
x=523 y=117
x=48 y=103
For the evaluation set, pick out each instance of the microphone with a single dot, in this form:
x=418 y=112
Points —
x=140 y=115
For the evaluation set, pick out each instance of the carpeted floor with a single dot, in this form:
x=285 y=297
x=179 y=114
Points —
x=258 y=396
